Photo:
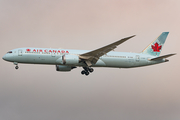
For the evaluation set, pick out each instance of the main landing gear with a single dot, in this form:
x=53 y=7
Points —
x=87 y=70
x=15 y=63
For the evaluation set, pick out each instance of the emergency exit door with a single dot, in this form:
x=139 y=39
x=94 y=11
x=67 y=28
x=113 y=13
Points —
x=19 y=52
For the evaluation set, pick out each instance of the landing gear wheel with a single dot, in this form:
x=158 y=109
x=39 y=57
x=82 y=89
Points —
x=86 y=73
x=91 y=70
x=16 y=67
x=83 y=72
x=87 y=70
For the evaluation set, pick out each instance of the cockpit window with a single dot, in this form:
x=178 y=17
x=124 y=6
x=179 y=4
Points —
x=9 y=52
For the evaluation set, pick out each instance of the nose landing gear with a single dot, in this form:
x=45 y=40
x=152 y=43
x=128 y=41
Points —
x=15 y=63
x=16 y=67
x=87 y=70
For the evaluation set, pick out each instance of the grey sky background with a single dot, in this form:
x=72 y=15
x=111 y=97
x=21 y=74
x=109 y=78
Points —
x=38 y=92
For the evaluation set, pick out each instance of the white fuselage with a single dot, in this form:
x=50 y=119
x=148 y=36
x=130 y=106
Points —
x=52 y=57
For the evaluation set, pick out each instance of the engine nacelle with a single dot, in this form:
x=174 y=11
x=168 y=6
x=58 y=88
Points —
x=64 y=68
x=68 y=60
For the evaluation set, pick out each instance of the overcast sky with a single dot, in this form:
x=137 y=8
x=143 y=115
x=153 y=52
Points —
x=38 y=92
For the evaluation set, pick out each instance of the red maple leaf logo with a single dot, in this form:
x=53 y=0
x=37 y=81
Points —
x=28 y=50
x=156 y=47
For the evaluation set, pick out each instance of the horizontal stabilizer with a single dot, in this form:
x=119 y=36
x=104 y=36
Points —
x=162 y=57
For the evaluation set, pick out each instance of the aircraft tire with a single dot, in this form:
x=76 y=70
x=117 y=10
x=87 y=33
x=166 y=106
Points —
x=91 y=70
x=83 y=72
x=16 y=67
x=86 y=73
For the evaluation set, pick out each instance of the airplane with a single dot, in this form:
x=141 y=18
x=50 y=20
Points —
x=68 y=59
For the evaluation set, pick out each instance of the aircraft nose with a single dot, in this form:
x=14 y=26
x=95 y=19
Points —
x=4 y=57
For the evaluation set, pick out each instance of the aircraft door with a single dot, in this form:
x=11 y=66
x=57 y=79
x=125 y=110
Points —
x=53 y=54
x=137 y=58
x=19 y=52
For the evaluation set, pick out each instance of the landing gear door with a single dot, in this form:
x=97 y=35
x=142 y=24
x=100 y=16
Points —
x=19 y=52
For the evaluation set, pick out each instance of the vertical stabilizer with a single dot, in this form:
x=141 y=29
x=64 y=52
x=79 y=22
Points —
x=155 y=47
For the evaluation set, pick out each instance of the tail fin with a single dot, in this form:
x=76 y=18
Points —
x=155 y=47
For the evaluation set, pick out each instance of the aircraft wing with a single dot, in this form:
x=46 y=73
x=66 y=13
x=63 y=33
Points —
x=93 y=56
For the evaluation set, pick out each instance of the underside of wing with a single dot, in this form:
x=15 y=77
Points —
x=92 y=57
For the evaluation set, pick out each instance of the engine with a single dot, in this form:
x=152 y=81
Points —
x=64 y=68
x=68 y=60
